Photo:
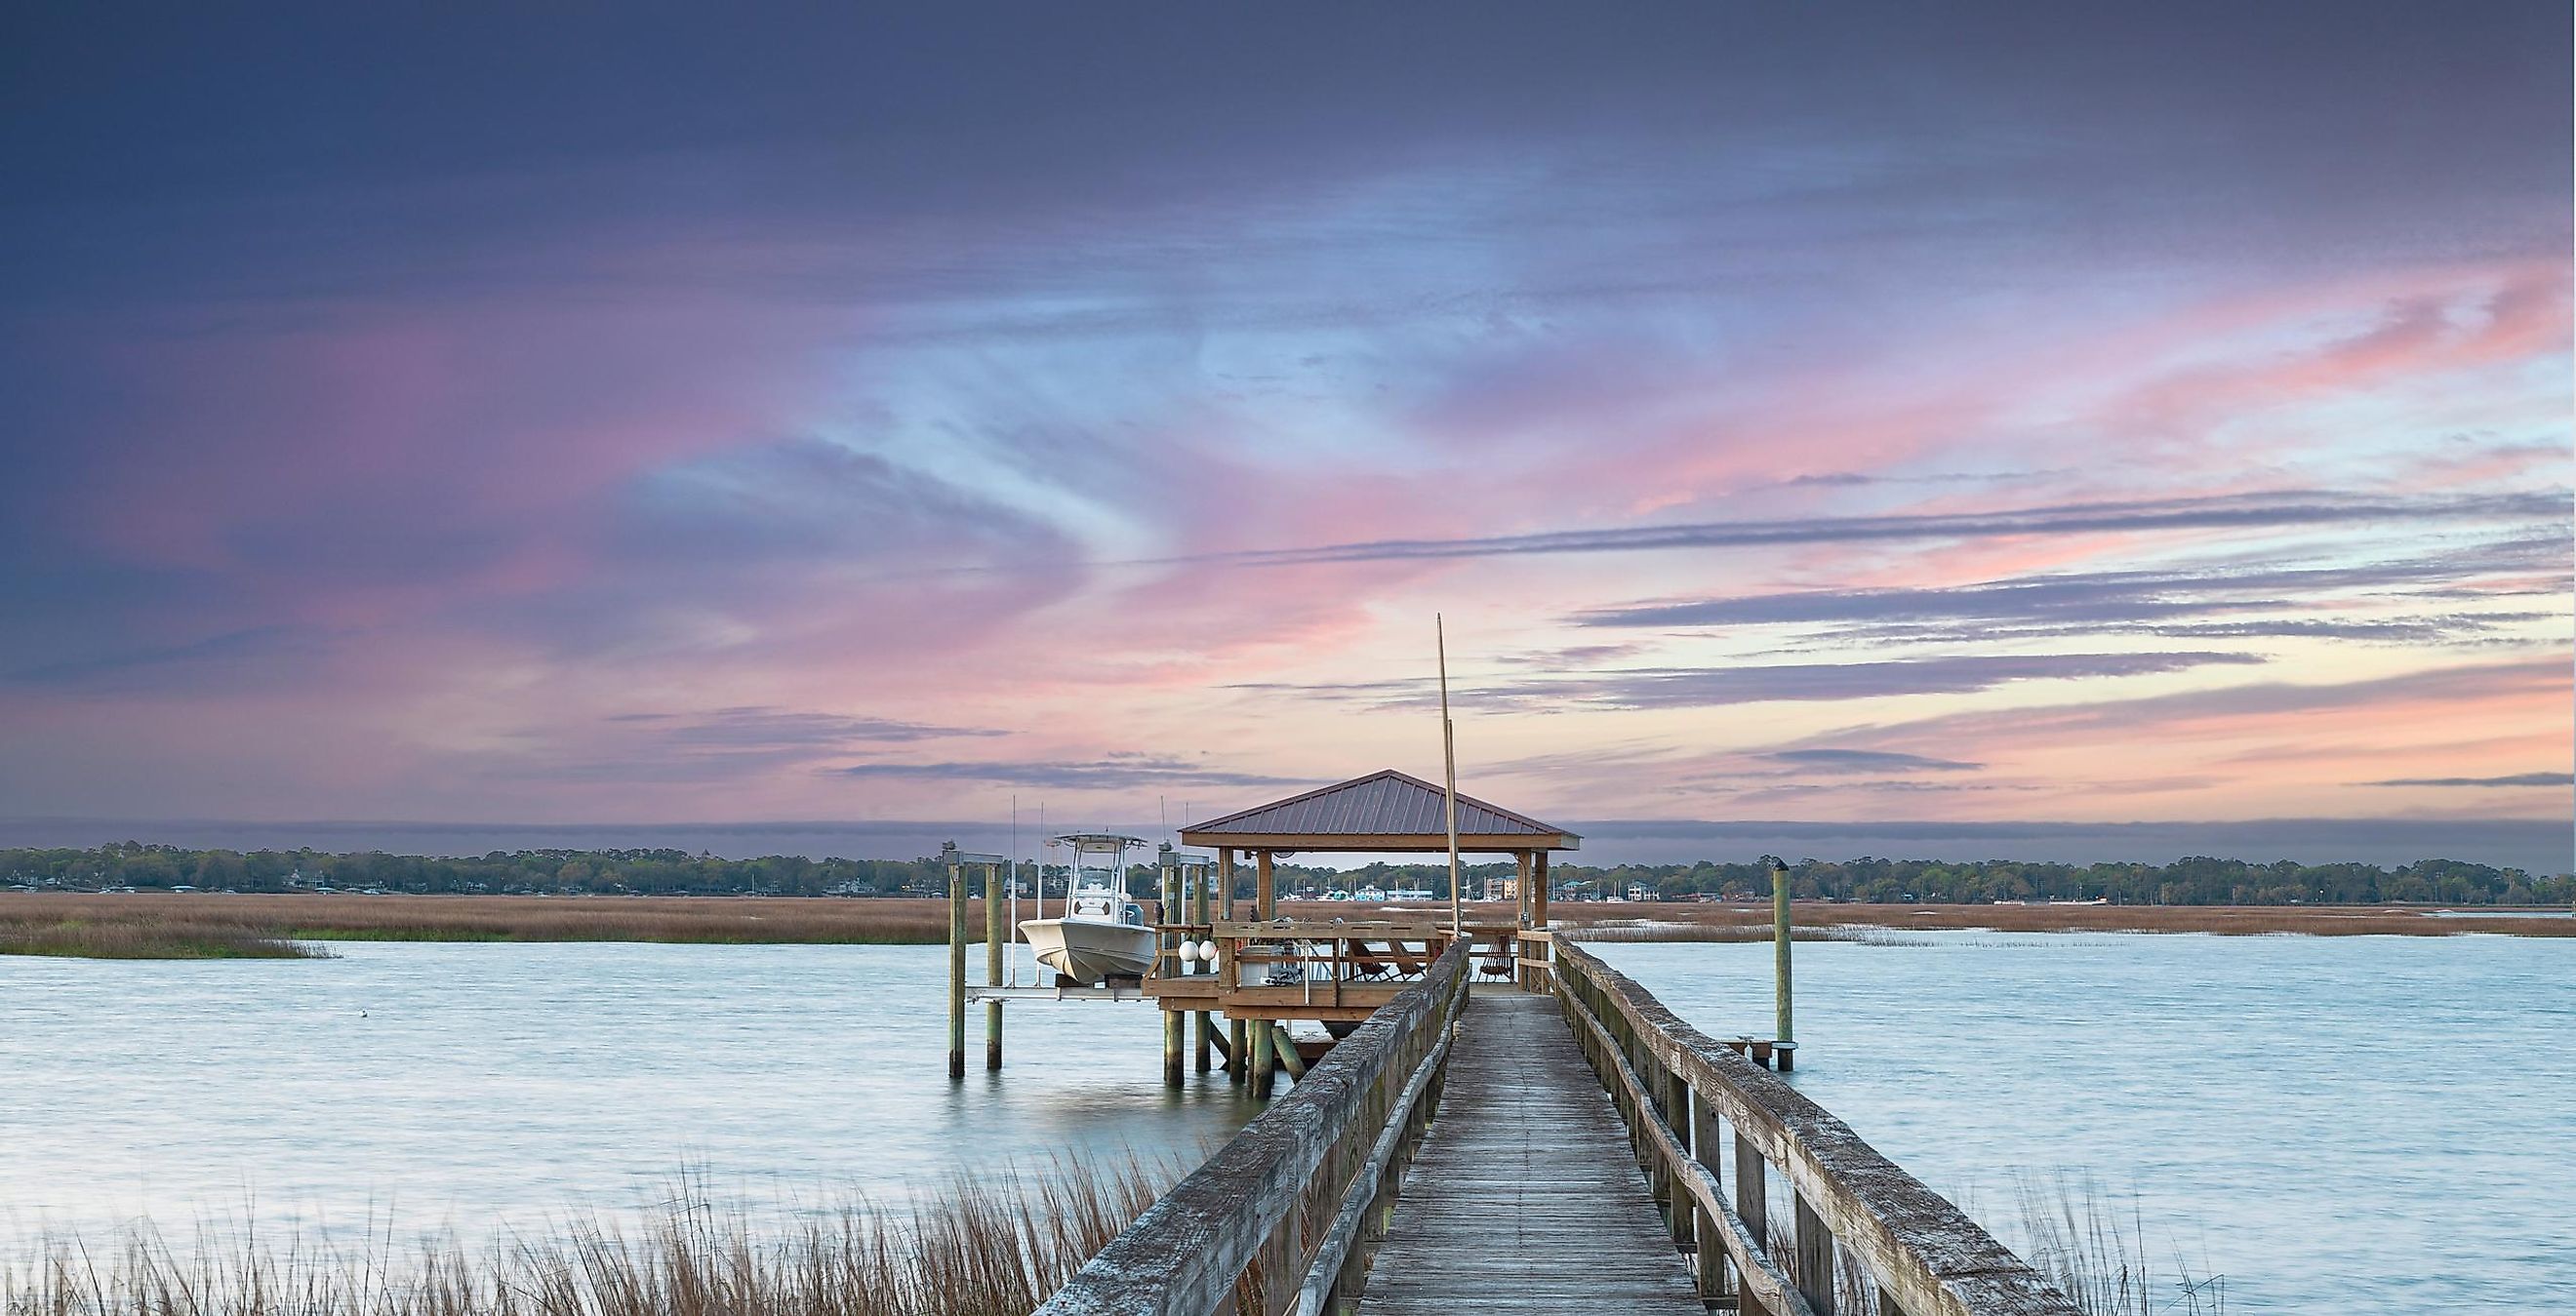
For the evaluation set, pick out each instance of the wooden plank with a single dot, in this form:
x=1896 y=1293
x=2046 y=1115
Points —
x=1525 y=1196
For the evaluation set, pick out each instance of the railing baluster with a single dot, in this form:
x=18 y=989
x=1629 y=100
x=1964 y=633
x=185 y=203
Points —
x=1814 y=1246
x=1704 y=1147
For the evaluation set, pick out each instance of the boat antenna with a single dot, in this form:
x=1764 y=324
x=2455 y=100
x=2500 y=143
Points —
x=1449 y=761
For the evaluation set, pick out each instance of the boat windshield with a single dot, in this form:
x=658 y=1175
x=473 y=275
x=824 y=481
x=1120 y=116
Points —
x=1107 y=907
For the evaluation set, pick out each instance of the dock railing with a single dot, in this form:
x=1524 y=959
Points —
x=1285 y=1216
x=1692 y=1106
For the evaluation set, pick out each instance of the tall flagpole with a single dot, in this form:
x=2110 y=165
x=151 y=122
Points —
x=1449 y=758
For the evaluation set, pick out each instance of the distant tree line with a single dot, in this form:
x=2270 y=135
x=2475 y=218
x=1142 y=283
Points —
x=2194 y=881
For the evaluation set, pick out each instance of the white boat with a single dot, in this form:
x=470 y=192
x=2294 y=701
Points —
x=1102 y=934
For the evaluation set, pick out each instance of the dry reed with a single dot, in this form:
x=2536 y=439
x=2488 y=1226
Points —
x=982 y=1247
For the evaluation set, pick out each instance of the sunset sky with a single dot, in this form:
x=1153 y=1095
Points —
x=2027 y=413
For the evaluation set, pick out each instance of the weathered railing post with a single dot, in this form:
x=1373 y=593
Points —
x=1814 y=1247
x=1677 y=1112
x=1705 y=1148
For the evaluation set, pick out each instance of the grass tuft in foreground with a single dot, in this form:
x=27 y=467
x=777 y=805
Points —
x=984 y=1247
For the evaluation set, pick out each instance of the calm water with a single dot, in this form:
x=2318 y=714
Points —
x=2336 y=1124
x=492 y=1086
x=2345 y=1124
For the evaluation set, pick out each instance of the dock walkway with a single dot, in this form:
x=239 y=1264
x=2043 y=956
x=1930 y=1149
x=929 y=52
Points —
x=1525 y=1195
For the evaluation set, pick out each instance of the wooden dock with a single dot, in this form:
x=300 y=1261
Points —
x=1525 y=1193
x=1567 y=1149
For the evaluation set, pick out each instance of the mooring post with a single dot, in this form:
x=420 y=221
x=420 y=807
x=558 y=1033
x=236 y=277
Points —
x=995 y=940
x=1785 y=1048
x=956 y=961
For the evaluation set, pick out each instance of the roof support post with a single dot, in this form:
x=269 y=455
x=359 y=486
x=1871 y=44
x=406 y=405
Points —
x=1521 y=865
x=1538 y=889
x=1225 y=880
x=1265 y=890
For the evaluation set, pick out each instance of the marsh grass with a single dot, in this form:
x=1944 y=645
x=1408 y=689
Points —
x=154 y=939
x=1685 y=921
x=982 y=1246
x=2086 y=1246
x=186 y=925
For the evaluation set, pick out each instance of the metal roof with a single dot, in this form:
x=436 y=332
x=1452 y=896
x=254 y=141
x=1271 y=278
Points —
x=1382 y=804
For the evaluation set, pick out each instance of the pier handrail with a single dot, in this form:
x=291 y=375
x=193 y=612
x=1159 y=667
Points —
x=1673 y=1083
x=1288 y=1198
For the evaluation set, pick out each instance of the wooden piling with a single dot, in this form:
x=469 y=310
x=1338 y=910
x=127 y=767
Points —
x=1263 y=1046
x=1238 y=1051
x=1780 y=960
x=956 y=970
x=996 y=941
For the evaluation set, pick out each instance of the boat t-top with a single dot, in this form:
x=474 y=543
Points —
x=1102 y=934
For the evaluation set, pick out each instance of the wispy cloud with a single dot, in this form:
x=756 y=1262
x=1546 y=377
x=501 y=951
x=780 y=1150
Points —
x=1865 y=760
x=2273 y=510
x=761 y=727
x=2144 y=601
x=2515 y=779
x=1707 y=687
x=1113 y=772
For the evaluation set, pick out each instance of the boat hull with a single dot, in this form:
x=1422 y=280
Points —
x=1090 y=953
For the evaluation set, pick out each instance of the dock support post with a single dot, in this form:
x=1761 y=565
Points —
x=1238 y=1051
x=1780 y=963
x=995 y=941
x=1262 y=1059
x=1203 y=1032
x=1172 y=1048
x=956 y=966
x=1206 y=1026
